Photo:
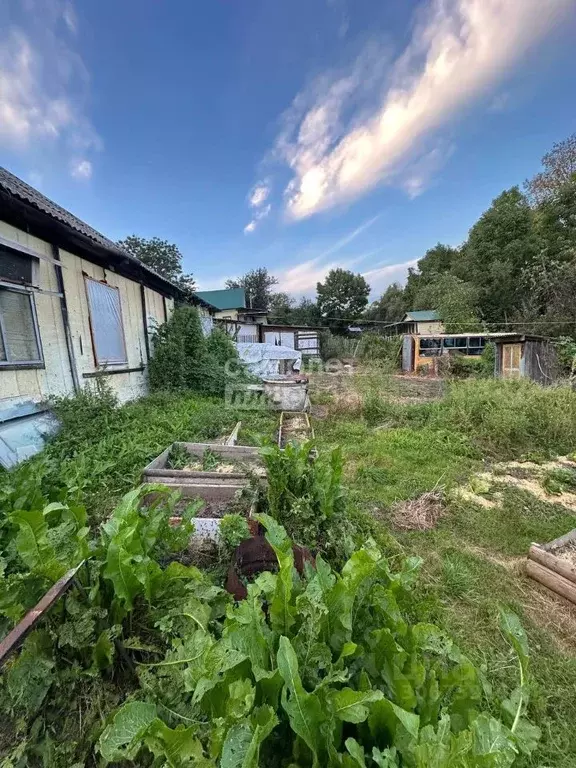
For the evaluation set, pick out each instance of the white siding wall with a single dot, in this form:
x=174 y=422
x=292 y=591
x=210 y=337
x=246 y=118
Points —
x=56 y=378
x=434 y=326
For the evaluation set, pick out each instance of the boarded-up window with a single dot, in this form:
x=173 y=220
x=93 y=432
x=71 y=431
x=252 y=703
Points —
x=106 y=323
x=16 y=267
x=19 y=339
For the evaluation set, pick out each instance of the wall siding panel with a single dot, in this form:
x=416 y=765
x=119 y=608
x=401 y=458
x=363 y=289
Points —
x=56 y=377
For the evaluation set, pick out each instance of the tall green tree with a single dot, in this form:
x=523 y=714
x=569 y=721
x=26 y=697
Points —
x=390 y=307
x=162 y=256
x=559 y=168
x=257 y=285
x=501 y=245
x=280 y=308
x=436 y=261
x=455 y=300
x=342 y=297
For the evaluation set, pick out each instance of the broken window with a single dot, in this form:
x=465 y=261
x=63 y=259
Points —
x=19 y=337
x=106 y=323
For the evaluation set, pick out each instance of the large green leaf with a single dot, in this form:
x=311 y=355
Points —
x=356 y=751
x=121 y=571
x=281 y=609
x=242 y=746
x=492 y=743
x=179 y=746
x=386 y=759
x=122 y=738
x=33 y=545
x=303 y=709
x=353 y=706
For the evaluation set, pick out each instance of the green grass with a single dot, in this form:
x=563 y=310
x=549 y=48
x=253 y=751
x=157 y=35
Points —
x=103 y=448
x=473 y=559
x=395 y=464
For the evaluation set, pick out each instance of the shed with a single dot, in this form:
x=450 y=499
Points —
x=520 y=355
x=423 y=321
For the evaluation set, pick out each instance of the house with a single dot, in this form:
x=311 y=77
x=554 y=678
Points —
x=423 y=321
x=73 y=306
x=520 y=355
x=238 y=320
x=230 y=304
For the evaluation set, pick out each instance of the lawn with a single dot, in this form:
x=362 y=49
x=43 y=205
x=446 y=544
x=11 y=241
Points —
x=404 y=438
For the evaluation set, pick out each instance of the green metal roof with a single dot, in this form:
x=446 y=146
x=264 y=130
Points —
x=228 y=298
x=423 y=316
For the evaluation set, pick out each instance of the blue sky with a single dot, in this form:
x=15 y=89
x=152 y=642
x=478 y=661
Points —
x=299 y=135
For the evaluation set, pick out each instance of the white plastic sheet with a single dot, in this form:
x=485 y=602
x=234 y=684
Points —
x=264 y=359
x=106 y=317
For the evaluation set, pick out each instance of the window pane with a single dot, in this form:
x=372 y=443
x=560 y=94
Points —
x=106 y=319
x=15 y=266
x=18 y=323
x=477 y=341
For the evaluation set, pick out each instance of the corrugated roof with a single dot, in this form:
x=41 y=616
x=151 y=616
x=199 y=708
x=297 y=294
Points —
x=228 y=298
x=423 y=316
x=28 y=194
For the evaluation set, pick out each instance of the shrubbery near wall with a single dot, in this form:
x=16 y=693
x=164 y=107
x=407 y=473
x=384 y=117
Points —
x=183 y=359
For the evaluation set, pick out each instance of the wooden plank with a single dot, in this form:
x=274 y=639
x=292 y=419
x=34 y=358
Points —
x=557 y=564
x=15 y=638
x=568 y=538
x=233 y=439
x=552 y=580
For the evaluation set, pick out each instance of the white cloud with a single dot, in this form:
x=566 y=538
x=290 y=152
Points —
x=459 y=50
x=259 y=194
x=259 y=214
x=381 y=277
x=302 y=278
x=350 y=237
x=43 y=83
x=81 y=169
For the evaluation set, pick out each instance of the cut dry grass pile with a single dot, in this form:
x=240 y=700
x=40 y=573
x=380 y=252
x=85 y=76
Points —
x=421 y=514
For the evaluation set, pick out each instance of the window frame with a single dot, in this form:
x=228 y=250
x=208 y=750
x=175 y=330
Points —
x=35 y=264
x=9 y=363
x=105 y=363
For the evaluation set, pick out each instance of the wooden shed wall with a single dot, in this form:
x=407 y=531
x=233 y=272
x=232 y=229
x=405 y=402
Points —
x=56 y=377
x=540 y=361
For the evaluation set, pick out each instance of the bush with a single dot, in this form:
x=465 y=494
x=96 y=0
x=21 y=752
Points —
x=184 y=360
x=305 y=495
x=378 y=349
x=333 y=347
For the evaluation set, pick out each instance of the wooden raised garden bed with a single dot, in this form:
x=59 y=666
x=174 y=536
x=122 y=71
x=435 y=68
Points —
x=294 y=426
x=554 y=565
x=205 y=470
x=219 y=475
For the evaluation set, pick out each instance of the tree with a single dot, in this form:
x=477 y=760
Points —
x=305 y=313
x=500 y=246
x=559 y=169
x=257 y=285
x=280 y=308
x=390 y=307
x=436 y=261
x=342 y=297
x=162 y=256
x=455 y=300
